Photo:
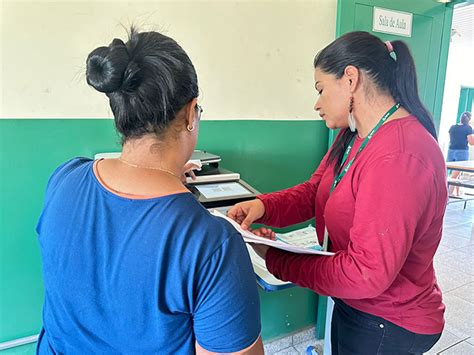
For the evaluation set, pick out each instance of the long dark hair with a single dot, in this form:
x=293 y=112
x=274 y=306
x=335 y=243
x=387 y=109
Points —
x=148 y=80
x=393 y=75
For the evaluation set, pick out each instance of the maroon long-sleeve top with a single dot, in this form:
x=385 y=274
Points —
x=385 y=222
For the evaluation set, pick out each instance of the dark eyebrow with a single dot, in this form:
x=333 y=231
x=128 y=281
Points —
x=315 y=84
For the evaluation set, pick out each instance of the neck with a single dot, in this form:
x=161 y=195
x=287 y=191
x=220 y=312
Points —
x=150 y=152
x=368 y=114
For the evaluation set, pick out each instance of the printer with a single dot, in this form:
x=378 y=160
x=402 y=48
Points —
x=215 y=186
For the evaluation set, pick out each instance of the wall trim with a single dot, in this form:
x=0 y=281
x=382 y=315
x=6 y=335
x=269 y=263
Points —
x=18 y=342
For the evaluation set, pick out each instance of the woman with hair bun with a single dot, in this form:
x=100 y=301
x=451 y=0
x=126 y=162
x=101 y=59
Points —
x=378 y=196
x=132 y=263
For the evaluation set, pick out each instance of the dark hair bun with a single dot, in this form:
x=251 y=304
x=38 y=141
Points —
x=106 y=66
x=148 y=80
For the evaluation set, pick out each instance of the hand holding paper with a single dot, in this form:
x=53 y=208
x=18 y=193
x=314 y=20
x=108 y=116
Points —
x=245 y=213
x=249 y=237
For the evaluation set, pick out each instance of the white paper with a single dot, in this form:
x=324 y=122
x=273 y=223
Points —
x=249 y=237
x=260 y=268
x=228 y=189
x=304 y=237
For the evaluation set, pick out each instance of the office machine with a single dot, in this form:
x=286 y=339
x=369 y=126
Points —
x=215 y=186
x=220 y=189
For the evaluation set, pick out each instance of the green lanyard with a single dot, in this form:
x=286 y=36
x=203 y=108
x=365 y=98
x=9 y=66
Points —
x=384 y=118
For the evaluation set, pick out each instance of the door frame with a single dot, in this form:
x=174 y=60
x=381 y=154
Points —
x=466 y=97
x=342 y=28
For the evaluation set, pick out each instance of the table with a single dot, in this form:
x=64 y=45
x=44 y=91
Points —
x=465 y=165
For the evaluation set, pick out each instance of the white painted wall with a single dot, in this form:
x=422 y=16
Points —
x=253 y=58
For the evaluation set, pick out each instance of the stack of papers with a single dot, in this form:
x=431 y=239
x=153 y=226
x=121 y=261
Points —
x=260 y=269
x=205 y=157
x=210 y=173
x=249 y=237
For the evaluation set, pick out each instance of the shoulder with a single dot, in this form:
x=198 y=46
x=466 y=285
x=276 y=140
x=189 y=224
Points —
x=206 y=225
x=196 y=221
x=66 y=168
x=407 y=140
x=406 y=175
x=201 y=237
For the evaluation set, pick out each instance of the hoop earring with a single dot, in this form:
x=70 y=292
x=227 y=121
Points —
x=350 y=118
x=190 y=128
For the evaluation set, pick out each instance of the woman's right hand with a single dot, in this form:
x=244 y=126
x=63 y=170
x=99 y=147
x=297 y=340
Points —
x=245 y=213
x=264 y=233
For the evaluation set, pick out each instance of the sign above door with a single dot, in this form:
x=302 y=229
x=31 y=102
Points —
x=392 y=22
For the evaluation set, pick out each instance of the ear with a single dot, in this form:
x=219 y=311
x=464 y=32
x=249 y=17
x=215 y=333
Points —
x=190 y=118
x=352 y=75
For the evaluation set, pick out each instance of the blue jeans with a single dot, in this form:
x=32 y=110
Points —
x=358 y=333
x=457 y=155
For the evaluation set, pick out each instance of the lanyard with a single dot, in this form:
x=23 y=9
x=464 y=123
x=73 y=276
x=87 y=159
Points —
x=339 y=177
x=384 y=118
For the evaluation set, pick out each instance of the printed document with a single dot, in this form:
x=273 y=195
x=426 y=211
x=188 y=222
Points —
x=228 y=189
x=287 y=244
x=305 y=237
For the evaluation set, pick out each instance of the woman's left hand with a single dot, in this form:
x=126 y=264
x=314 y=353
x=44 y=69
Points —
x=188 y=169
x=260 y=249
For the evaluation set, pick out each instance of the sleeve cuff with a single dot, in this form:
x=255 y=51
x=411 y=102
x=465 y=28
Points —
x=264 y=198
x=271 y=260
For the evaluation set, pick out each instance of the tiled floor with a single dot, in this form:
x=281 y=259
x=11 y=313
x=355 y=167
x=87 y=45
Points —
x=454 y=264
x=295 y=344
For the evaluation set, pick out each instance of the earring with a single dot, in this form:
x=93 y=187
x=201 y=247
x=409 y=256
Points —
x=190 y=128
x=350 y=118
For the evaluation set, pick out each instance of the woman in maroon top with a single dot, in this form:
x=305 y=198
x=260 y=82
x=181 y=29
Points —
x=380 y=193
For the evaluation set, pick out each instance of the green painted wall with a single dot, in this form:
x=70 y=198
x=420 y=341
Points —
x=270 y=155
